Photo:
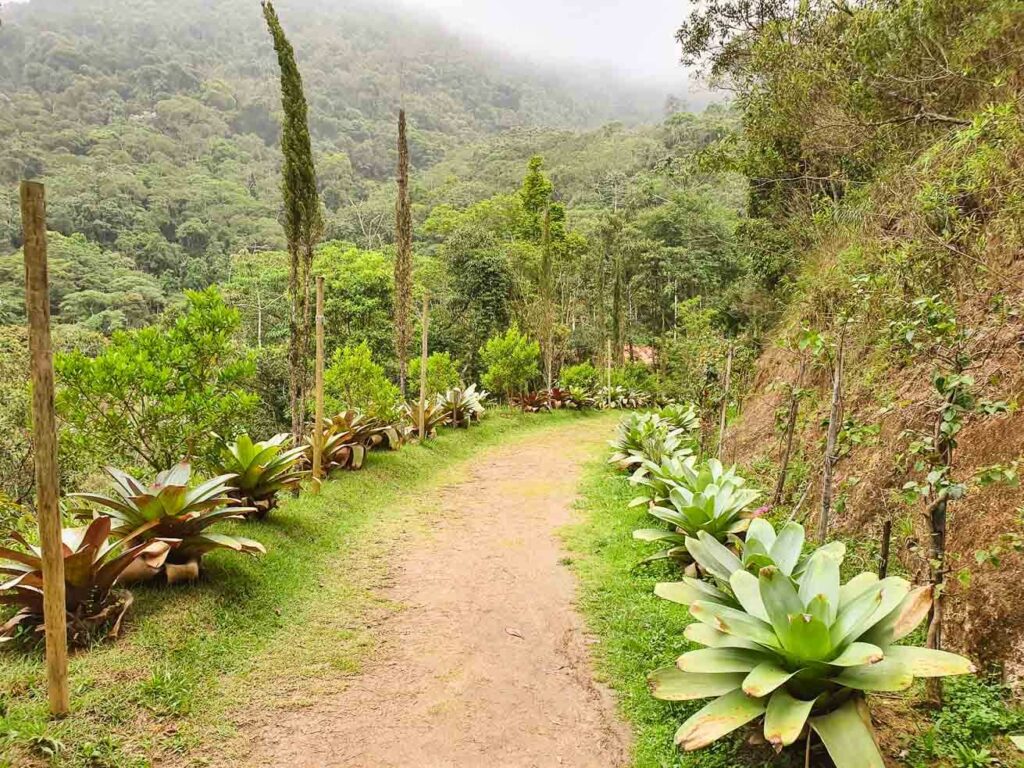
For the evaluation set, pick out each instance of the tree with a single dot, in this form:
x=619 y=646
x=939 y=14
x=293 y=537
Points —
x=152 y=396
x=303 y=221
x=355 y=381
x=511 y=360
x=403 y=257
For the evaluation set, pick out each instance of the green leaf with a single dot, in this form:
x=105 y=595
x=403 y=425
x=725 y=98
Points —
x=887 y=675
x=847 y=736
x=672 y=684
x=808 y=638
x=855 y=587
x=718 y=660
x=787 y=547
x=765 y=678
x=734 y=622
x=928 y=662
x=689 y=591
x=722 y=716
x=748 y=591
x=821 y=578
x=780 y=600
x=785 y=718
x=857 y=654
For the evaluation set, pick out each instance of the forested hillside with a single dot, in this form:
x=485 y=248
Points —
x=156 y=124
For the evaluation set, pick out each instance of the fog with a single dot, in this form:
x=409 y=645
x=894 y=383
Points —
x=633 y=39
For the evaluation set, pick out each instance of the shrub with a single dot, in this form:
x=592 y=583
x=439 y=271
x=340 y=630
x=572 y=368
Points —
x=155 y=395
x=582 y=376
x=512 y=362
x=442 y=374
x=355 y=382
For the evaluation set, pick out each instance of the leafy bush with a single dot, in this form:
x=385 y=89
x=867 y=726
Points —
x=353 y=381
x=582 y=375
x=801 y=650
x=155 y=395
x=442 y=374
x=512 y=362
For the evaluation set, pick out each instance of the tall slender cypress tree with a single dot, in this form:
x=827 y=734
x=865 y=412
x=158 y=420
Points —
x=403 y=258
x=303 y=221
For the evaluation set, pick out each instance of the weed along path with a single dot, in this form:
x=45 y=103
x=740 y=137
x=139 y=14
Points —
x=485 y=662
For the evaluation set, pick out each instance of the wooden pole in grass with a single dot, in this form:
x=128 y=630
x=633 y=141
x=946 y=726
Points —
x=424 y=331
x=318 y=435
x=44 y=443
x=725 y=403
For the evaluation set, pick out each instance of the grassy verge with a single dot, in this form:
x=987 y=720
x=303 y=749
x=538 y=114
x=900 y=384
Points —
x=191 y=655
x=639 y=632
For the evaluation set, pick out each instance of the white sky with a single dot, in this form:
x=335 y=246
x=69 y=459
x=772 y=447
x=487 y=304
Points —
x=634 y=38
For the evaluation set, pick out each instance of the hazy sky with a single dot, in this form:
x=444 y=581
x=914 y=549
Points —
x=632 y=37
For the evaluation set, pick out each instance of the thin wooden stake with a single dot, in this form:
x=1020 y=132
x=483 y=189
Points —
x=425 y=324
x=834 y=417
x=725 y=403
x=44 y=439
x=608 y=370
x=883 y=558
x=318 y=433
x=787 y=451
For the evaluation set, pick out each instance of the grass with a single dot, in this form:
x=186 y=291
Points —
x=638 y=632
x=252 y=630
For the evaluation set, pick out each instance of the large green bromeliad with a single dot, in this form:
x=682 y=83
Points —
x=802 y=651
x=261 y=469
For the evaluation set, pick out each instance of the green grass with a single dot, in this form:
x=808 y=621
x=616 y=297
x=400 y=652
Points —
x=638 y=632
x=252 y=629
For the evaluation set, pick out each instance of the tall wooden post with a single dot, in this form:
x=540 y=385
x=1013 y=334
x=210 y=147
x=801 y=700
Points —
x=425 y=330
x=608 y=371
x=725 y=403
x=44 y=438
x=318 y=434
x=834 y=418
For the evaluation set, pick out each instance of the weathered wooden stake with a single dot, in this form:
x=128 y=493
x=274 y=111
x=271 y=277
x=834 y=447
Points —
x=44 y=439
x=787 y=451
x=725 y=403
x=883 y=557
x=608 y=370
x=318 y=434
x=834 y=417
x=425 y=323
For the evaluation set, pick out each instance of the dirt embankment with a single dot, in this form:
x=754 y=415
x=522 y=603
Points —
x=983 y=614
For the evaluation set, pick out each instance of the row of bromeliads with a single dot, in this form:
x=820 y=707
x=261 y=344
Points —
x=140 y=531
x=584 y=398
x=784 y=639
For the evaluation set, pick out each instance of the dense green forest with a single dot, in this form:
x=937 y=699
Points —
x=826 y=267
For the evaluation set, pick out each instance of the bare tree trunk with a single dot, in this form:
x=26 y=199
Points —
x=44 y=441
x=725 y=403
x=794 y=407
x=834 y=418
x=425 y=329
x=403 y=258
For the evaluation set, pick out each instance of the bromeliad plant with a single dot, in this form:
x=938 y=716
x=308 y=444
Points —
x=261 y=469
x=170 y=511
x=801 y=651
x=715 y=502
x=532 y=402
x=633 y=433
x=92 y=566
x=462 y=406
x=683 y=416
x=433 y=414
x=657 y=479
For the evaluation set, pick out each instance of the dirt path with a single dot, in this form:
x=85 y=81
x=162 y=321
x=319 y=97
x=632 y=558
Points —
x=487 y=666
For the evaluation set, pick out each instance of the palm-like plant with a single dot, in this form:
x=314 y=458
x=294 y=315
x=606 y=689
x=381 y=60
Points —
x=633 y=431
x=433 y=417
x=682 y=416
x=802 y=652
x=171 y=511
x=657 y=479
x=532 y=402
x=716 y=502
x=261 y=469
x=462 y=406
x=92 y=566
x=580 y=398
x=371 y=433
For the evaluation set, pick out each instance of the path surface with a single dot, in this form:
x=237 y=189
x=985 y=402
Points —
x=487 y=666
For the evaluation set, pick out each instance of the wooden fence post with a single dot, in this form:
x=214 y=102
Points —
x=44 y=438
x=425 y=329
x=318 y=435
x=834 y=418
x=725 y=403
